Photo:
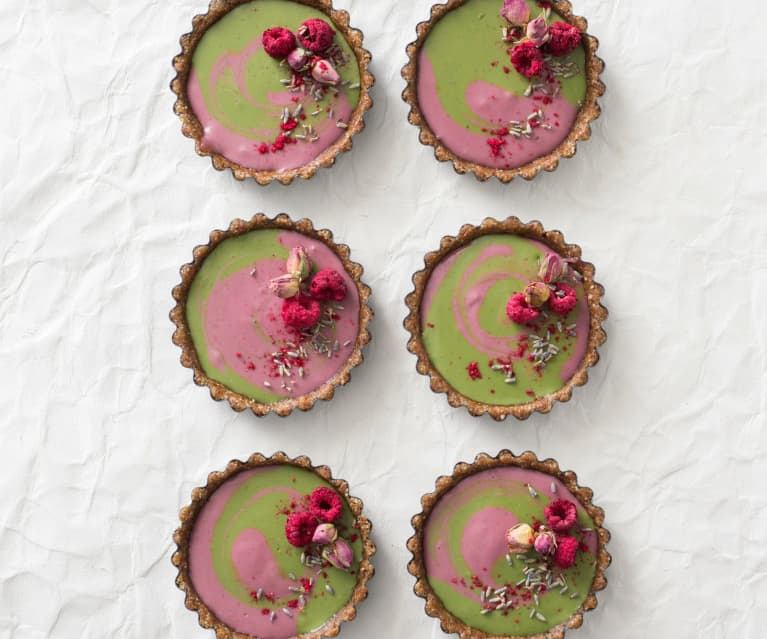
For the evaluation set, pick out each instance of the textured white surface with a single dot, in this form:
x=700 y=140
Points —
x=104 y=435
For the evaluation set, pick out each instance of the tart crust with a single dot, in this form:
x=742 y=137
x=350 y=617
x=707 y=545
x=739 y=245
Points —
x=200 y=496
x=182 y=336
x=555 y=241
x=191 y=127
x=581 y=129
x=417 y=567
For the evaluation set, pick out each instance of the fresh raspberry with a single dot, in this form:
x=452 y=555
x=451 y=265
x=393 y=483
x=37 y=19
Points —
x=561 y=515
x=566 y=303
x=299 y=528
x=301 y=311
x=527 y=59
x=564 y=38
x=315 y=35
x=567 y=549
x=326 y=505
x=278 y=42
x=328 y=284
x=518 y=310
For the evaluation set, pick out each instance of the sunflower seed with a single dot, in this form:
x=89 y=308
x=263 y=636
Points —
x=329 y=588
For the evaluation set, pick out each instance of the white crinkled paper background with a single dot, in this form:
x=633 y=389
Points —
x=103 y=434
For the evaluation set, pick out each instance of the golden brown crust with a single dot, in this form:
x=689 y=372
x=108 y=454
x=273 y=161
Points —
x=555 y=241
x=182 y=336
x=191 y=127
x=581 y=128
x=200 y=496
x=434 y=607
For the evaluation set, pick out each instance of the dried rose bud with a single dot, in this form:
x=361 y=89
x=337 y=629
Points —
x=545 y=542
x=285 y=286
x=297 y=59
x=554 y=268
x=339 y=554
x=538 y=31
x=325 y=73
x=325 y=534
x=516 y=12
x=520 y=538
x=299 y=263
x=537 y=294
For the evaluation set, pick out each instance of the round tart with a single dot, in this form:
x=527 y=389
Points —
x=503 y=87
x=505 y=318
x=271 y=315
x=273 y=548
x=272 y=89
x=509 y=547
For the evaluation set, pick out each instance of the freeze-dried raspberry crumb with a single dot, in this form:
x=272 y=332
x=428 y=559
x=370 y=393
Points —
x=328 y=284
x=315 y=35
x=278 y=42
x=565 y=303
x=564 y=38
x=299 y=528
x=561 y=515
x=301 y=311
x=527 y=59
x=567 y=549
x=326 y=505
x=519 y=311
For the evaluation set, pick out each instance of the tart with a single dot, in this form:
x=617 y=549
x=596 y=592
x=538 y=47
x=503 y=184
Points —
x=273 y=548
x=271 y=315
x=272 y=89
x=505 y=318
x=509 y=546
x=503 y=88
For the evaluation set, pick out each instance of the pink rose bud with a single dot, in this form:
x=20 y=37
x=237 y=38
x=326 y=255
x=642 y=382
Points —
x=554 y=268
x=325 y=534
x=339 y=554
x=538 y=31
x=537 y=294
x=324 y=72
x=545 y=543
x=285 y=286
x=299 y=263
x=520 y=538
x=297 y=59
x=516 y=12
